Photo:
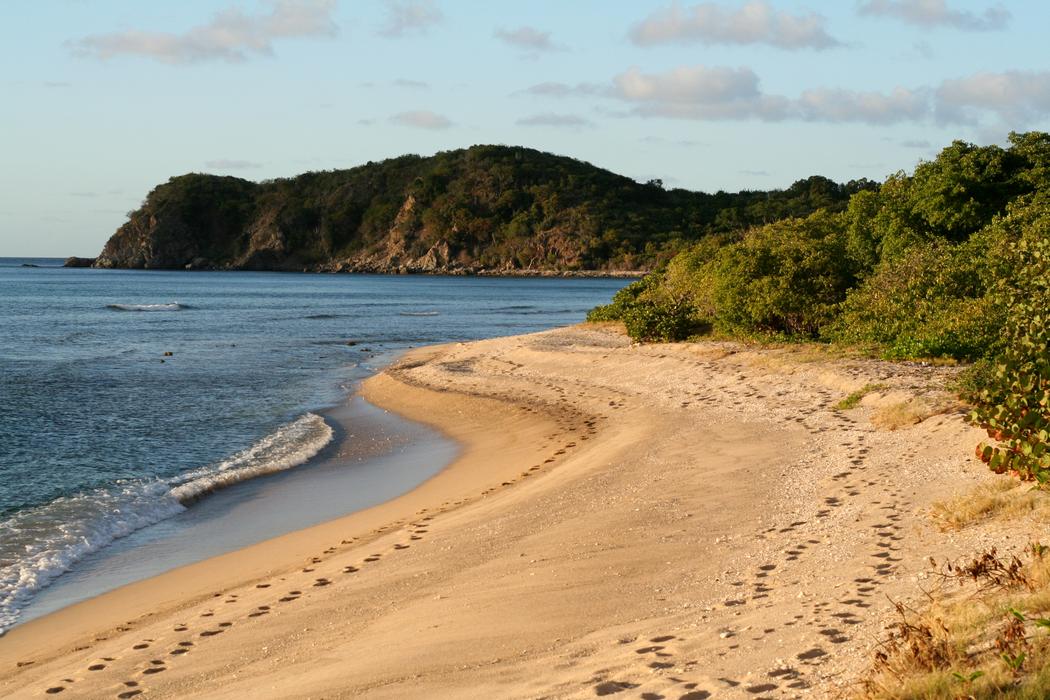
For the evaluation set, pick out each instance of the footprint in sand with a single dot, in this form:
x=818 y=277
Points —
x=814 y=653
x=611 y=687
x=129 y=694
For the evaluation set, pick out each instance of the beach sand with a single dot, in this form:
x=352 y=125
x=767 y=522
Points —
x=655 y=521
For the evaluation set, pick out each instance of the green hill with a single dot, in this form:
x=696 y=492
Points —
x=495 y=209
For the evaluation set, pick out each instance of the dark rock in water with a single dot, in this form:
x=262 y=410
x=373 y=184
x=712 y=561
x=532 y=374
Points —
x=351 y=343
x=168 y=353
x=28 y=265
x=199 y=263
x=74 y=261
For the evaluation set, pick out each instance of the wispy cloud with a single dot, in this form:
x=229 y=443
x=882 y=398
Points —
x=565 y=121
x=837 y=105
x=755 y=22
x=713 y=93
x=1016 y=98
x=678 y=143
x=232 y=164
x=556 y=89
x=231 y=35
x=411 y=84
x=422 y=119
x=936 y=13
x=410 y=16
x=529 y=39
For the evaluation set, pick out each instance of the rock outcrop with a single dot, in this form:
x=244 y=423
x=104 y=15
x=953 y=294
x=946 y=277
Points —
x=74 y=261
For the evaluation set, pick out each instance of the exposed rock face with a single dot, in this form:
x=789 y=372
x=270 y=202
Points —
x=487 y=209
x=77 y=262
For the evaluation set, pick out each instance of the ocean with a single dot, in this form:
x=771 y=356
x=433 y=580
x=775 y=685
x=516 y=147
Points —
x=153 y=418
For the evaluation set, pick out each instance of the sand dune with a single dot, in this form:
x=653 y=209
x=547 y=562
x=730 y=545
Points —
x=665 y=521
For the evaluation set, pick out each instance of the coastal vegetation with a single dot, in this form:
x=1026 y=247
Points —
x=950 y=263
x=485 y=208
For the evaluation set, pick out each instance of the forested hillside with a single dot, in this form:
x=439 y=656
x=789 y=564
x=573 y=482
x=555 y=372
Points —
x=485 y=208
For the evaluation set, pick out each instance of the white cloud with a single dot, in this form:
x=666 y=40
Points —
x=407 y=16
x=1017 y=98
x=232 y=164
x=421 y=119
x=716 y=93
x=754 y=22
x=936 y=13
x=231 y=35
x=836 y=105
x=570 y=121
x=528 y=38
x=698 y=92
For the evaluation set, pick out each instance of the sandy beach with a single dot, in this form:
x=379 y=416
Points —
x=654 y=521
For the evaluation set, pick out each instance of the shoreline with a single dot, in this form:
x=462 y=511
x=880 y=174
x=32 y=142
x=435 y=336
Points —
x=136 y=604
x=372 y=455
x=666 y=518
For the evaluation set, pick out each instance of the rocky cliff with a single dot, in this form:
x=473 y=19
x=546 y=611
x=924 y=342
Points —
x=484 y=209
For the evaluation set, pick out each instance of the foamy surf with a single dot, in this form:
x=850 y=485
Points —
x=41 y=543
x=173 y=306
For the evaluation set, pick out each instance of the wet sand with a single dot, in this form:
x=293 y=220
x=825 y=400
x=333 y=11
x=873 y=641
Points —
x=663 y=521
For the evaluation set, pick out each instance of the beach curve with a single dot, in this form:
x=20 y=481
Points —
x=675 y=520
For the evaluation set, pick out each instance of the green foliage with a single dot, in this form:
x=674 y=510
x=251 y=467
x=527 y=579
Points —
x=493 y=206
x=909 y=268
x=1015 y=408
x=852 y=400
x=622 y=300
x=785 y=278
x=929 y=302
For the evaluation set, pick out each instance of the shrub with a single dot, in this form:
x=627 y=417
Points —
x=1015 y=408
x=786 y=277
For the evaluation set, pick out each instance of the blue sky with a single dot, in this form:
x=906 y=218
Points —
x=104 y=99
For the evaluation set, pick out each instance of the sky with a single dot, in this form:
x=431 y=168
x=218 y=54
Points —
x=105 y=99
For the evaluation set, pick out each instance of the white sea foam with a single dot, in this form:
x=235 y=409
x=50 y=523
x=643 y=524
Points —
x=173 y=306
x=38 y=544
x=287 y=447
x=420 y=313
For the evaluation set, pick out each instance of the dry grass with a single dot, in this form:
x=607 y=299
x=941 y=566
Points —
x=971 y=642
x=1004 y=497
x=986 y=632
x=913 y=411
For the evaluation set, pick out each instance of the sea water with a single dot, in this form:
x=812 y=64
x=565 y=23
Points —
x=130 y=398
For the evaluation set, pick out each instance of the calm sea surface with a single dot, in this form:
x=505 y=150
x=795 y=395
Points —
x=129 y=398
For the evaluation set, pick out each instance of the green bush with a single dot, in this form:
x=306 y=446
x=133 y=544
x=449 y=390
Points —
x=1015 y=408
x=785 y=278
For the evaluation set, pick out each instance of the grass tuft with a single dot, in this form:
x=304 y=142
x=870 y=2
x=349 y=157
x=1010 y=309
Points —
x=853 y=399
